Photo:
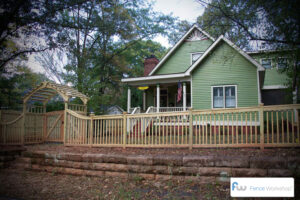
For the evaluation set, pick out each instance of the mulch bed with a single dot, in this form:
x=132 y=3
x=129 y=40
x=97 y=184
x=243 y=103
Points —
x=19 y=184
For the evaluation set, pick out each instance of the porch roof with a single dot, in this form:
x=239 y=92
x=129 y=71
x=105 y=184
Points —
x=156 y=79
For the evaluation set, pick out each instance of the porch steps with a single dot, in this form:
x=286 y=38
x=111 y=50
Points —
x=160 y=167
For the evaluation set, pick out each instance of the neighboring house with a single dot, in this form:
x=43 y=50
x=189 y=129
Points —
x=114 y=110
x=212 y=73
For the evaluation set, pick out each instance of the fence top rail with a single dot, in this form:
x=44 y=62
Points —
x=73 y=104
x=77 y=114
x=247 y=109
x=282 y=107
x=13 y=121
x=11 y=111
x=108 y=117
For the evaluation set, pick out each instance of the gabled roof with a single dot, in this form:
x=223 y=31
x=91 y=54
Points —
x=222 y=38
x=194 y=27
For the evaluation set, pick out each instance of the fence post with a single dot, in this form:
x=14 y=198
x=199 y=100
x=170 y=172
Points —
x=261 y=122
x=4 y=134
x=23 y=123
x=44 y=122
x=91 y=129
x=190 y=128
x=124 y=130
x=65 y=122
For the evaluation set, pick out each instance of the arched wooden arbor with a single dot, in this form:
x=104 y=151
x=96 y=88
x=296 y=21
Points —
x=37 y=124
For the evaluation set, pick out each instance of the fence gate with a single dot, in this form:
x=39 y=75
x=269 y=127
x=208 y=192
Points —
x=54 y=126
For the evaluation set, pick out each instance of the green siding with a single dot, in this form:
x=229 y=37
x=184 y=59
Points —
x=180 y=60
x=225 y=66
x=273 y=76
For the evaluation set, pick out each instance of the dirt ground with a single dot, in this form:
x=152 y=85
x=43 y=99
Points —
x=19 y=184
x=169 y=151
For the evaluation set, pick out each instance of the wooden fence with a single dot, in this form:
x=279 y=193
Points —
x=10 y=127
x=262 y=126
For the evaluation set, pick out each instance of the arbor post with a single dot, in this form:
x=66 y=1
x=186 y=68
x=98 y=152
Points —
x=65 y=123
x=23 y=124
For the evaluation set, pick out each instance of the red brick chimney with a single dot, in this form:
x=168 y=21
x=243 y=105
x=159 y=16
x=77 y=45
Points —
x=150 y=64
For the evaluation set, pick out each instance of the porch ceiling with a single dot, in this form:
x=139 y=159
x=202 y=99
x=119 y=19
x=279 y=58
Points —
x=153 y=80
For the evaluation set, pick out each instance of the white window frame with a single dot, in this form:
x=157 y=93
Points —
x=287 y=62
x=224 y=103
x=267 y=59
x=195 y=53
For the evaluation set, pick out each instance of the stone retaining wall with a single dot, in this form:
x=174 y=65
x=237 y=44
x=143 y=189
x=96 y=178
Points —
x=8 y=155
x=203 y=168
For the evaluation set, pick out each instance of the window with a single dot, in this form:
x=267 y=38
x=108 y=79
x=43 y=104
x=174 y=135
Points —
x=282 y=63
x=218 y=97
x=224 y=96
x=196 y=56
x=266 y=63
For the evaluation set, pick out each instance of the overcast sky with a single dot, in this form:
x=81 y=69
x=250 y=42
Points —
x=183 y=9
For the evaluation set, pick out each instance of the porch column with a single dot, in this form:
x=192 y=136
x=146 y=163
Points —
x=184 y=96
x=128 y=100
x=157 y=98
x=144 y=100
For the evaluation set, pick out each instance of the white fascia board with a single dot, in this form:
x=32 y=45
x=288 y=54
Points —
x=177 y=44
x=158 y=77
x=203 y=56
x=259 y=67
x=274 y=87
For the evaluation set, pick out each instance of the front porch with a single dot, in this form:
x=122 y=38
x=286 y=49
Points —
x=162 y=97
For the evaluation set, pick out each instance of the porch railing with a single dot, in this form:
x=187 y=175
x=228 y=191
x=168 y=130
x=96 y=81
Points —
x=260 y=126
x=152 y=109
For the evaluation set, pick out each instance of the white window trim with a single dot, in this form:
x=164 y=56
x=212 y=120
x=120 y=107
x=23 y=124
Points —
x=195 y=53
x=212 y=96
x=267 y=59
x=287 y=62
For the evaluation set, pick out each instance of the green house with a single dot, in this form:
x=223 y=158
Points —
x=202 y=72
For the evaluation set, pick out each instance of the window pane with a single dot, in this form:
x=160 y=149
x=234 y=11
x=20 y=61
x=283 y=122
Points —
x=218 y=97
x=266 y=63
x=195 y=57
x=282 y=63
x=230 y=98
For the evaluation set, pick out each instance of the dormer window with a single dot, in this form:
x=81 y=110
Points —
x=266 y=63
x=195 y=57
x=282 y=63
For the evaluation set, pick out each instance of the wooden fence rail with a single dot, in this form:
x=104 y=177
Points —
x=261 y=126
